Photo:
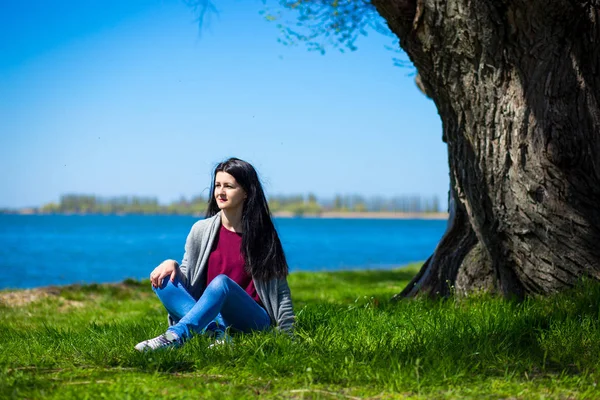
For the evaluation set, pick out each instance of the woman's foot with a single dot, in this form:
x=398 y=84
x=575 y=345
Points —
x=164 y=341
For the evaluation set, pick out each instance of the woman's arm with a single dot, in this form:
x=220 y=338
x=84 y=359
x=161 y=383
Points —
x=285 y=315
x=183 y=267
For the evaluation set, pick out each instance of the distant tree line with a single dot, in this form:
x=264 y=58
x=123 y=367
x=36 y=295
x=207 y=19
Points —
x=89 y=204
x=295 y=204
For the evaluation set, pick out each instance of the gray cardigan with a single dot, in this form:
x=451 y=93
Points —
x=274 y=294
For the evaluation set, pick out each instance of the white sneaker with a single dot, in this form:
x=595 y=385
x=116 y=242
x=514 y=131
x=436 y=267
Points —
x=218 y=342
x=164 y=341
x=222 y=338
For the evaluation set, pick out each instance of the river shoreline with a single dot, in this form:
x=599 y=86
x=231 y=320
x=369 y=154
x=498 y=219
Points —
x=364 y=215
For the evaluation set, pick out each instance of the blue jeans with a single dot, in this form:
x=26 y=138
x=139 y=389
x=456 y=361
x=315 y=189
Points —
x=224 y=304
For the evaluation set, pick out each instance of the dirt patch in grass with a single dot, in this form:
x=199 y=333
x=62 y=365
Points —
x=20 y=298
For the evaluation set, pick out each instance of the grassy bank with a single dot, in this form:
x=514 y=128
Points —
x=351 y=342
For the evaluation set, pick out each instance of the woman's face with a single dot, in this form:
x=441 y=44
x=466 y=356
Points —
x=228 y=193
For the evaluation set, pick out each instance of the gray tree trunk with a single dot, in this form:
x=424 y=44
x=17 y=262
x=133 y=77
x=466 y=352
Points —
x=517 y=86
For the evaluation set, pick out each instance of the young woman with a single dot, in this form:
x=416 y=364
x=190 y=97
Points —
x=233 y=272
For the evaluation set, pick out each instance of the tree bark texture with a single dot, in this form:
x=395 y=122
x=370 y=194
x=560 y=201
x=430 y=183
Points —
x=517 y=86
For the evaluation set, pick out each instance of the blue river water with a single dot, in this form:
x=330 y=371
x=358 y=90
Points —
x=42 y=250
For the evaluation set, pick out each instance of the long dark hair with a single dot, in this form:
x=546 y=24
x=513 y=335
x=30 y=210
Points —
x=261 y=247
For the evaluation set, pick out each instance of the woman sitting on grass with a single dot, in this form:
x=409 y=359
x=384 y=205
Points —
x=233 y=273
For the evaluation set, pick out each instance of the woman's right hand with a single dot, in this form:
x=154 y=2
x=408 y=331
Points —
x=166 y=268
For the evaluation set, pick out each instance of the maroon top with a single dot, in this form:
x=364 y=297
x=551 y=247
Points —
x=226 y=258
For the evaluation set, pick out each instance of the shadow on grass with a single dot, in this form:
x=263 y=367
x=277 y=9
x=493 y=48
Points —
x=20 y=383
x=168 y=361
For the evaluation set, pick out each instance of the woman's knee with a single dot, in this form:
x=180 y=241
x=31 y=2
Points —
x=220 y=282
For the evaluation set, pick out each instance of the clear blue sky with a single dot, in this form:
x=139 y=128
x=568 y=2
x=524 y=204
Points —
x=131 y=98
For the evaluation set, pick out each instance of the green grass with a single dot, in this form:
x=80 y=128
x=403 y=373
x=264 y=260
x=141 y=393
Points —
x=350 y=342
